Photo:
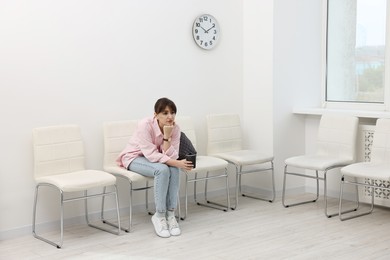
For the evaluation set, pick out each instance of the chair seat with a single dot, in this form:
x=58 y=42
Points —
x=245 y=157
x=377 y=171
x=79 y=181
x=132 y=176
x=209 y=163
x=316 y=162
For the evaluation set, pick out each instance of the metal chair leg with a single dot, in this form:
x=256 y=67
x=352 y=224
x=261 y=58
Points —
x=147 y=187
x=273 y=187
x=131 y=189
x=356 y=184
x=205 y=187
x=238 y=188
x=58 y=245
x=178 y=207
x=219 y=206
x=105 y=221
x=62 y=201
x=208 y=203
x=195 y=181
x=118 y=226
x=317 y=178
x=185 y=199
x=326 y=201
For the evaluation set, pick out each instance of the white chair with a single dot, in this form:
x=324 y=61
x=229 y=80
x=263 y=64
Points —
x=369 y=174
x=206 y=165
x=116 y=134
x=336 y=142
x=59 y=163
x=225 y=142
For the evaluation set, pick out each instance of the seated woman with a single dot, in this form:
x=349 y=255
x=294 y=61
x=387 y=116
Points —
x=153 y=151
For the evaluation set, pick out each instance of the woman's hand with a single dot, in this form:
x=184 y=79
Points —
x=167 y=131
x=186 y=165
x=182 y=164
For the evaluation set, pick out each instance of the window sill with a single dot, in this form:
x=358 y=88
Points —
x=358 y=113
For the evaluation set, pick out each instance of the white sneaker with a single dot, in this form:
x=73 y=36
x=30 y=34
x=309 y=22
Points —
x=173 y=226
x=160 y=226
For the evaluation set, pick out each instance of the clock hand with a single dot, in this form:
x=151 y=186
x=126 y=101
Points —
x=210 y=28
x=203 y=29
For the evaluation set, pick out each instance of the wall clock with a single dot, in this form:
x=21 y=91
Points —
x=206 y=31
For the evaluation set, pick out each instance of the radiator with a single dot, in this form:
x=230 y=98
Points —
x=365 y=138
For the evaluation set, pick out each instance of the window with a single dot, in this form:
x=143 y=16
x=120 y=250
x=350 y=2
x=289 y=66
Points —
x=355 y=52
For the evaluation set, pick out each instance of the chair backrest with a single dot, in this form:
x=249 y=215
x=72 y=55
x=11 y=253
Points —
x=224 y=133
x=186 y=125
x=380 y=150
x=57 y=150
x=337 y=136
x=116 y=134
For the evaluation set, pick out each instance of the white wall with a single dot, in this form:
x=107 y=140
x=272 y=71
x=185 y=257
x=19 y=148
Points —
x=297 y=77
x=258 y=74
x=89 y=61
x=258 y=83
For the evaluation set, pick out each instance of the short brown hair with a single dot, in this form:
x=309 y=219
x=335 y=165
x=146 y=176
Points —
x=162 y=103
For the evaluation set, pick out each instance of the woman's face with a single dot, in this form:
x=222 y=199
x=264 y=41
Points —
x=166 y=117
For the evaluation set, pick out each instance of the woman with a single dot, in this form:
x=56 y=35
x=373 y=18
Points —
x=153 y=151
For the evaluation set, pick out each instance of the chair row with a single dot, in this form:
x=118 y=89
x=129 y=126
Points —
x=336 y=147
x=224 y=147
x=59 y=162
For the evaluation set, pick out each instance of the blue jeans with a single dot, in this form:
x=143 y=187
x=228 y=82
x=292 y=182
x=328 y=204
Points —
x=166 y=182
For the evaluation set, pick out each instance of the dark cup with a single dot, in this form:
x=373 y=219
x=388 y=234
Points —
x=191 y=158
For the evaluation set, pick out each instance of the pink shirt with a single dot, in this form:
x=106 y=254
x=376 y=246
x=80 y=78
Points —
x=147 y=141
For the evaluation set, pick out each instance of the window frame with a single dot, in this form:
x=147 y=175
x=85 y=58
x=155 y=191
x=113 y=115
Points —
x=385 y=106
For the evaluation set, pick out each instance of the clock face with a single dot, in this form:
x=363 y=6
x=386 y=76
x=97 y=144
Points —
x=206 y=31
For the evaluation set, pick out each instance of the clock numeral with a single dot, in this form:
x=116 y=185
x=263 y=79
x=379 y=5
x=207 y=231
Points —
x=197 y=37
x=201 y=42
x=211 y=42
x=214 y=38
x=200 y=20
x=196 y=30
x=215 y=31
x=197 y=24
x=205 y=18
x=205 y=44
